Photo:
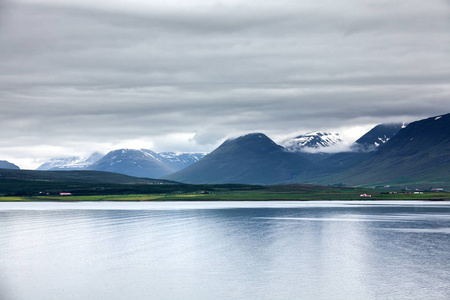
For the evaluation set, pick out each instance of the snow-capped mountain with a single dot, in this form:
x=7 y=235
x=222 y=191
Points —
x=139 y=163
x=311 y=141
x=144 y=162
x=70 y=163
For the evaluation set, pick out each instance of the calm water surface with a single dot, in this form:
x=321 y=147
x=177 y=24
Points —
x=239 y=250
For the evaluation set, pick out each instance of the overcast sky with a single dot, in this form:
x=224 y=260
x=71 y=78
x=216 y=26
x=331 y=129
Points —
x=77 y=77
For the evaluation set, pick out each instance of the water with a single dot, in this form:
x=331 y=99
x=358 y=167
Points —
x=239 y=250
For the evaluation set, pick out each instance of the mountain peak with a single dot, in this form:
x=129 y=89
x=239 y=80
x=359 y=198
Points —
x=312 y=140
x=252 y=136
x=252 y=142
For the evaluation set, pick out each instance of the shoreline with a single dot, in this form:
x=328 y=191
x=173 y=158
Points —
x=212 y=200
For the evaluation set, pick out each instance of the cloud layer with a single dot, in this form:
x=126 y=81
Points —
x=184 y=75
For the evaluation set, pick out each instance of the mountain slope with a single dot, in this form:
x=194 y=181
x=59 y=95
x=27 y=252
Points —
x=7 y=165
x=252 y=159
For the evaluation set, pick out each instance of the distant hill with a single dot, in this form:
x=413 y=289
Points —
x=250 y=159
x=87 y=183
x=7 y=165
x=78 y=176
x=377 y=136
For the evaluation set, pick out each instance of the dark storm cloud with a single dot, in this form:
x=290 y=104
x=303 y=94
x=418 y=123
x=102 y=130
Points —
x=85 y=76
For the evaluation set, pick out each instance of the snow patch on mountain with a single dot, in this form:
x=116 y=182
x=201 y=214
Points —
x=382 y=140
x=377 y=136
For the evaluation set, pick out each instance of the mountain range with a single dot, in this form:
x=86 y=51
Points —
x=389 y=154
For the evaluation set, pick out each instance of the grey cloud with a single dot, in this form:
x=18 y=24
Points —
x=80 y=73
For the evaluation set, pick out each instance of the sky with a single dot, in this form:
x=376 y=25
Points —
x=183 y=76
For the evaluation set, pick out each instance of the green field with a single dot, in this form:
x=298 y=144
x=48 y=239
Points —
x=266 y=193
x=19 y=185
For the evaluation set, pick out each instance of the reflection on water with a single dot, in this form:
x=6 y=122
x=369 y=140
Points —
x=268 y=250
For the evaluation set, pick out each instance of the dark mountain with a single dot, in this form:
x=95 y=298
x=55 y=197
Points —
x=7 y=165
x=252 y=159
x=377 y=136
x=418 y=155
